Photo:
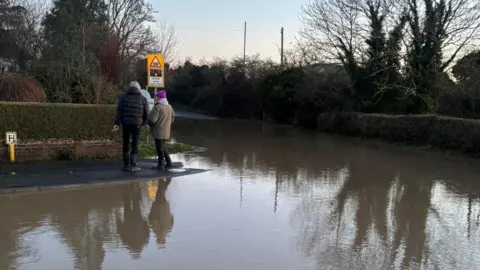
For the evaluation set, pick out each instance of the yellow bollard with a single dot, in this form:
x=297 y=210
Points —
x=11 y=148
x=11 y=140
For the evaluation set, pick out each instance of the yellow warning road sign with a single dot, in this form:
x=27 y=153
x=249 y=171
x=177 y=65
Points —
x=155 y=71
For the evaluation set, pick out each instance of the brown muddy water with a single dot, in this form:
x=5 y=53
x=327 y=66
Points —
x=276 y=198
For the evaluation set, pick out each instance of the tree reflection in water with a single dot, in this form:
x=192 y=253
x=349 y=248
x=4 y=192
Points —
x=364 y=206
x=358 y=207
x=382 y=217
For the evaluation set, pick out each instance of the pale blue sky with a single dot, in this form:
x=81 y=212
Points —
x=214 y=28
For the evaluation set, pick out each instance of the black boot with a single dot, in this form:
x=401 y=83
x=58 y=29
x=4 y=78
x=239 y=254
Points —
x=126 y=162
x=160 y=167
x=133 y=163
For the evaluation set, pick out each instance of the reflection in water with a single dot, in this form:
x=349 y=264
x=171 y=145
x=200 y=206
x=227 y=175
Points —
x=360 y=207
x=276 y=198
x=133 y=229
x=85 y=220
x=160 y=218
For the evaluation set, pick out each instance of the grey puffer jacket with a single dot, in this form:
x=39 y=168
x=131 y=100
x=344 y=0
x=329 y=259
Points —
x=132 y=108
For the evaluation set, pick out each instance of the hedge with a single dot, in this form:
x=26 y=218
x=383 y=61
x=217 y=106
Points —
x=40 y=121
x=438 y=131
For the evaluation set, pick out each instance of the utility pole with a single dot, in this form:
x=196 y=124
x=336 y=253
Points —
x=245 y=44
x=281 y=47
x=83 y=44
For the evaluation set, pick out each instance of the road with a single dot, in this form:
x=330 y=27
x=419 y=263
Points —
x=185 y=114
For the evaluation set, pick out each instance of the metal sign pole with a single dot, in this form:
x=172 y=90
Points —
x=155 y=63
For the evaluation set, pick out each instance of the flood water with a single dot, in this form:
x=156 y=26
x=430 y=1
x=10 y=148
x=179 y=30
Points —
x=275 y=198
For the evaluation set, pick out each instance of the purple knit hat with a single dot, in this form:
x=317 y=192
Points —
x=161 y=94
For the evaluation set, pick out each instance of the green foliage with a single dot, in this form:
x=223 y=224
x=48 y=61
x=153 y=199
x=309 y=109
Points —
x=438 y=131
x=147 y=149
x=226 y=89
x=12 y=27
x=57 y=121
x=75 y=31
x=147 y=146
x=84 y=50
x=462 y=99
x=76 y=42
x=261 y=90
x=281 y=103
x=467 y=72
x=76 y=37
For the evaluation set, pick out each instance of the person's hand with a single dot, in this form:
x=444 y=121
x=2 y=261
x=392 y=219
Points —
x=116 y=128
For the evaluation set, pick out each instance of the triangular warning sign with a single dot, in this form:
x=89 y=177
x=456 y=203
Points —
x=155 y=62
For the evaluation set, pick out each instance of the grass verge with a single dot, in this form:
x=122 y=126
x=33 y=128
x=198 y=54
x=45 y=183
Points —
x=148 y=149
x=147 y=146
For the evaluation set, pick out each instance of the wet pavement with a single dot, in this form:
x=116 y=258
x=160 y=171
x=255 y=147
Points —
x=39 y=176
x=275 y=198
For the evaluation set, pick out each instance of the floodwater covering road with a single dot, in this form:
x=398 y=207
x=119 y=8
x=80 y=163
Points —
x=276 y=198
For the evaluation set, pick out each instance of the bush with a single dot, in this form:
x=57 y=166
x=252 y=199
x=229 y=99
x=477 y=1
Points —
x=281 y=105
x=35 y=121
x=325 y=88
x=438 y=131
x=96 y=90
x=19 y=88
x=281 y=102
x=307 y=113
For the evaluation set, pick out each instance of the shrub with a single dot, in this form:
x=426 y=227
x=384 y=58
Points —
x=281 y=103
x=307 y=113
x=455 y=133
x=96 y=90
x=35 y=121
x=438 y=131
x=18 y=88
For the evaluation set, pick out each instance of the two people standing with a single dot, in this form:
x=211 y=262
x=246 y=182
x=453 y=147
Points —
x=132 y=113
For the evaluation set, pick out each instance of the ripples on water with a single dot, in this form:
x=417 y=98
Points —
x=276 y=198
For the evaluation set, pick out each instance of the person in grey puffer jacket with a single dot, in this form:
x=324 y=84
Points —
x=132 y=114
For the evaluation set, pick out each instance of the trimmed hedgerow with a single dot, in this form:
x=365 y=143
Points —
x=438 y=131
x=37 y=121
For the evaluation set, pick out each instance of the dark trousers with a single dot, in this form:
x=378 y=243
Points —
x=133 y=132
x=162 y=153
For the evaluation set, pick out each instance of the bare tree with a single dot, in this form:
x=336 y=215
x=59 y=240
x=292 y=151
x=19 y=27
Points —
x=333 y=30
x=96 y=90
x=166 y=40
x=352 y=32
x=128 y=21
x=296 y=56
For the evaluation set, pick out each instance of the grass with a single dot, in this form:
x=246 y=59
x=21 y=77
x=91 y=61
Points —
x=148 y=149
x=147 y=146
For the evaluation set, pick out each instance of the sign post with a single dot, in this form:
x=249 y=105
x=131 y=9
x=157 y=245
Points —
x=155 y=71
x=11 y=140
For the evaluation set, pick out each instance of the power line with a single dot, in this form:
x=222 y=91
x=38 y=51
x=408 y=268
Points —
x=225 y=30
